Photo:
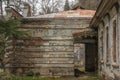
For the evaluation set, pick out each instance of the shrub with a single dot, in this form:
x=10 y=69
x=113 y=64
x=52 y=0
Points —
x=29 y=73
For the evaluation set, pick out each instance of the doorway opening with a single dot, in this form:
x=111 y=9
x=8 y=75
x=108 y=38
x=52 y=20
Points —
x=85 y=52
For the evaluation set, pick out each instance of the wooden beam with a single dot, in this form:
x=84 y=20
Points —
x=85 y=41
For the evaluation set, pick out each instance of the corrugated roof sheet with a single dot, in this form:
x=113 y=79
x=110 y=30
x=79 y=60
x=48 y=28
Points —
x=68 y=14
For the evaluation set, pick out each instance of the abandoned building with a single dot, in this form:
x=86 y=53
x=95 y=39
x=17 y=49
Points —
x=51 y=50
x=62 y=42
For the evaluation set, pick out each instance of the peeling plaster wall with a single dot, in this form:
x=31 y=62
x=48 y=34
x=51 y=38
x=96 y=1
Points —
x=109 y=70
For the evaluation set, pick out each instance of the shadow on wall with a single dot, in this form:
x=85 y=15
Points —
x=78 y=73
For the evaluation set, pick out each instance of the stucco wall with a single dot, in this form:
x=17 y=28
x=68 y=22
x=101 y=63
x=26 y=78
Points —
x=109 y=69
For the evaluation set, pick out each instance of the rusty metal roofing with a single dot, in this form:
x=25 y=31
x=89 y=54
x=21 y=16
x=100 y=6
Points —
x=68 y=14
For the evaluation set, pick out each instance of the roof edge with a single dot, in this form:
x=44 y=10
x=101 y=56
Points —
x=73 y=18
x=101 y=11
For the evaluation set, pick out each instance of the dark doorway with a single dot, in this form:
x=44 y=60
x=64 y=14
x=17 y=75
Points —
x=91 y=57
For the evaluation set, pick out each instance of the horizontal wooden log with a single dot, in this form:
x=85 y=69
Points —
x=55 y=27
x=41 y=65
x=55 y=37
x=54 y=22
x=46 y=43
x=51 y=48
x=45 y=55
x=42 y=62
x=86 y=41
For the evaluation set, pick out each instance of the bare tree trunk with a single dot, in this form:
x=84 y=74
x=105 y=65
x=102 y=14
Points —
x=1 y=8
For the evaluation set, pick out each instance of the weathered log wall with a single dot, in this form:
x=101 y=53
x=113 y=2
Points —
x=54 y=55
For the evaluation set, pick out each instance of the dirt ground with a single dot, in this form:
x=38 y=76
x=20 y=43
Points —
x=82 y=77
x=85 y=76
